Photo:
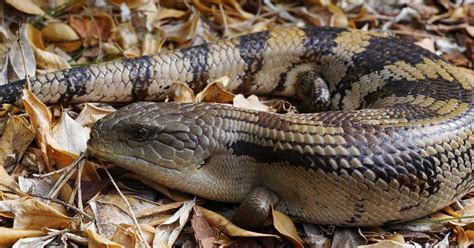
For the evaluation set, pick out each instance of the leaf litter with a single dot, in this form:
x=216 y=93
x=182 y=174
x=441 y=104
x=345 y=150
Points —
x=43 y=195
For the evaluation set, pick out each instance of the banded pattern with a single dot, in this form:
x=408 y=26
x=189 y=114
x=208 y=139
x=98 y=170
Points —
x=395 y=143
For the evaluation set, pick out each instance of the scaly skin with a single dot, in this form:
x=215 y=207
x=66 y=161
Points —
x=395 y=145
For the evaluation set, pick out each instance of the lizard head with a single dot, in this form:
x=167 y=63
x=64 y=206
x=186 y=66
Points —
x=152 y=139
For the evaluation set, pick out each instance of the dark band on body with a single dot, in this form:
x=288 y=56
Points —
x=252 y=48
x=141 y=75
x=198 y=65
x=75 y=79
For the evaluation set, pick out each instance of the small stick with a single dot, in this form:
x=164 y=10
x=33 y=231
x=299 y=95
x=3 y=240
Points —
x=135 y=221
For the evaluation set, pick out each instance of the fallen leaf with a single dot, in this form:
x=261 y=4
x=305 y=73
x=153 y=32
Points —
x=152 y=43
x=252 y=102
x=428 y=44
x=7 y=183
x=32 y=214
x=167 y=233
x=284 y=225
x=40 y=118
x=8 y=236
x=126 y=36
x=93 y=30
x=44 y=59
x=181 y=93
x=16 y=138
x=165 y=13
x=387 y=244
x=21 y=57
x=62 y=35
x=160 y=209
x=90 y=114
x=111 y=211
x=26 y=6
x=132 y=4
x=128 y=236
x=216 y=92
x=70 y=135
x=220 y=222
x=34 y=242
x=202 y=230
x=35 y=186
x=98 y=241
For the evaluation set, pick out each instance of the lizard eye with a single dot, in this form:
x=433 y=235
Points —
x=140 y=134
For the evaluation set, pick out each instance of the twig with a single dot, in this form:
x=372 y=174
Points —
x=49 y=173
x=64 y=204
x=23 y=56
x=65 y=176
x=135 y=221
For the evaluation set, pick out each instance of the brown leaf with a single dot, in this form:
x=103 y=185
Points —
x=284 y=225
x=8 y=236
x=167 y=233
x=202 y=230
x=16 y=138
x=181 y=93
x=90 y=114
x=128 y=235
x=33 y=214
x=166 y=13
x=252 y=102
x=216 y=92
x=40 y=118
x=132 y=4
x=62 y=35
x=98 y=241
x=227 y=227
x=93 y=30
x=26 y=6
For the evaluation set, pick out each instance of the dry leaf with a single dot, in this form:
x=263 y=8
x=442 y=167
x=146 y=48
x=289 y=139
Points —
x=181 y=93
x=126 y=36
x=90 y=114
x=132 y=4
x=428 y=44
x=387 y=244
x=8 y=236
x=160 y=209
x=26 y=6
x=216 y=92
x=70 y=135
x=40 y=118
x=93 y=30
x=202 y=230
x=111 y=210
x=218 y=221
x=35 y=186
x=16 y=138
x=152 y=43
x=21 y=57
x=97 y=241
x=44 y=59
x=63 y=35
x=165 y=13
x=128 y=236
x=50 y=61
x=251 y=102
x=284 y=225
x=7 y=183
x=167 y=233
x=33 y=214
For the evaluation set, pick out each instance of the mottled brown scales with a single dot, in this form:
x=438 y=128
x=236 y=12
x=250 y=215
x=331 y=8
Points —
x=393 y=140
